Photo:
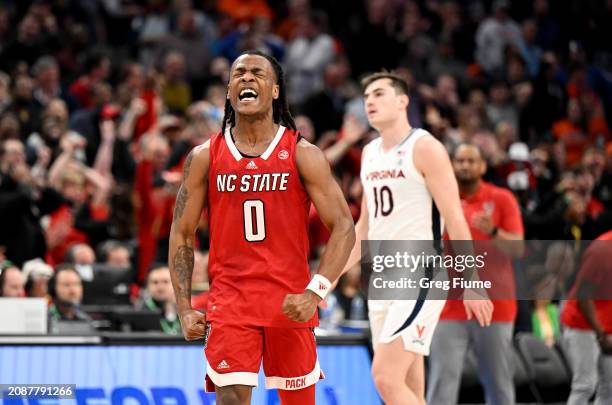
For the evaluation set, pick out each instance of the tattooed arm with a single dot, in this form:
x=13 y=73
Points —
x=189 y=203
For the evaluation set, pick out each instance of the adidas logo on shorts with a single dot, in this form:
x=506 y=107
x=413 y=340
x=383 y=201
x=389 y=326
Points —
x=251 y=165
x=222 y=365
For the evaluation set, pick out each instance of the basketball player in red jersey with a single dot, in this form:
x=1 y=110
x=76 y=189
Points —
x=258 y=177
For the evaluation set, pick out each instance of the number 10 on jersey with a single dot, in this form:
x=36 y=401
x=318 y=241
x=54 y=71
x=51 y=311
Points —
x=254 y=220
x=383 y=201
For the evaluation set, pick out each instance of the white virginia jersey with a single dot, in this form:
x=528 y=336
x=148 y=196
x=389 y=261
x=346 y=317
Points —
x=400 y=206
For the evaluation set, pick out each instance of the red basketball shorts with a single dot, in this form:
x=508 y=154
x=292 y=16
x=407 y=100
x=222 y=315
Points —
x=234 y=354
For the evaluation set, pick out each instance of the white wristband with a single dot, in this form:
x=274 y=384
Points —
x=319 y=285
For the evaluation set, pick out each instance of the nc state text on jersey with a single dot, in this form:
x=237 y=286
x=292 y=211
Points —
x=252 y=182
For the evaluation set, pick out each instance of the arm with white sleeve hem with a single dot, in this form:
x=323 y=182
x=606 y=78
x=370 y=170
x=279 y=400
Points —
x=432 y=161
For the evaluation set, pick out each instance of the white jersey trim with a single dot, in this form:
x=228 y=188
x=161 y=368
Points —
x=236 y=153
x=236 y=378
x=413 y=171
x=230 y=144
x=275 y=141
x=291 y=383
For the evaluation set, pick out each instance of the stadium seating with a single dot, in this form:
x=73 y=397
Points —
x=545 y=368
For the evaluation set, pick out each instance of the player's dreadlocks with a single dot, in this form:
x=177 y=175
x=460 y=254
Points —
x=280 y=107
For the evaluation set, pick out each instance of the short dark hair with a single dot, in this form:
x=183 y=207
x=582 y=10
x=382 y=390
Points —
x=157 y=266
x=455 y=149
x=52 y=288
x=397 y=82
x=105 y=248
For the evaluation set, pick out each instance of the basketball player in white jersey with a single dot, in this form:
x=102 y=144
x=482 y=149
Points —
x=405 y=207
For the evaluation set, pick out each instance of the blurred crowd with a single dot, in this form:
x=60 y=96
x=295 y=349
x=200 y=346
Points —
x=101 y=100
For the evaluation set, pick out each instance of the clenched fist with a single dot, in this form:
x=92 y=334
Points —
x=300 y=307
x=193 y=324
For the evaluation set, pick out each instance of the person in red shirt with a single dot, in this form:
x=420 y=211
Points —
x=152 y=202
x=588 y=325
x=493 y=214
x=257 y=178
x=97 y=68
x=245 y=10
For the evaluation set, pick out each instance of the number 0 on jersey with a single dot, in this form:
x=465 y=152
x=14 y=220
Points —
x=254 y=221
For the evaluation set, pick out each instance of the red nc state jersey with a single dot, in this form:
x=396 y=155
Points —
x=258 y=218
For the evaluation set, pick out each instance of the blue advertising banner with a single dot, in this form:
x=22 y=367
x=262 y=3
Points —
x=164 y=375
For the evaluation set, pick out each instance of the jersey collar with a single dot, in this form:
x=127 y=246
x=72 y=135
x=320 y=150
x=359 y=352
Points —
x=236 y=153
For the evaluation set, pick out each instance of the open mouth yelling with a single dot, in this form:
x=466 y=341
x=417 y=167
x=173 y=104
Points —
x=247 y=95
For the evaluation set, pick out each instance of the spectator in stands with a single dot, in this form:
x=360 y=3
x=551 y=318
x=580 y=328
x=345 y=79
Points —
x=171 y=128
x=548 y=27
x=297 y=11
x=80 y=254
x=375 y=32
x=151 y=27
x=5 y=27
x=587 y=317
x=446 y=98
x=11 y=281
x=545 y=320
x=189 y=41
x=160 y=297
x=493 y=214
x=53 y=124
x=245 y=11
x=531 y=52
x=353 y=130
x=493 y=35
x=205 y=25
x=37 y=274
x=61 y=233
x=546 y=284
x=571 y=132
x=48 y=86
x=23 y=201
x=10 y=127
x=444 y=62
x=307 y=55
x=96 y=70
x=115 y=254
x=28 y=45
x=66 y=291
x=326 y=107
x=5 y=91
x=82 y=257
x=350 y=296
x=256 y=34
x=154 y=202
x=176 y=92
x=84 y=209
x=501 y=107
x=306 y=128
x=219 y=70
